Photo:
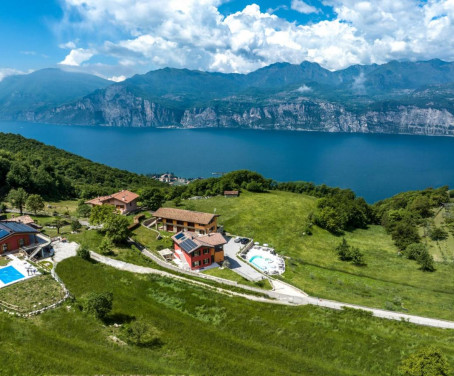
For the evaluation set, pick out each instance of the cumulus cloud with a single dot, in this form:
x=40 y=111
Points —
x=302 y=7
x=5 y=72
x=303 y=89
x=117 y=78
x=194 y=34
x=68 y=45
x=77 y=57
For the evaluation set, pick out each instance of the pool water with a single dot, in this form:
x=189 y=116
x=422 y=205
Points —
x=260 y=262
x=10 y=274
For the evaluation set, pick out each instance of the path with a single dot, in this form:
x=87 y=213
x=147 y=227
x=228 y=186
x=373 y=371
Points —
x=280 y=298
x=240 y=267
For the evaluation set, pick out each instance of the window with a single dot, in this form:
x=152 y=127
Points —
x=196 y=263
x=5 y=247
x=21 y=242
x=206 y=261
x=180 y=223
x=206 y=251
x=196 y=253
x=190 y=224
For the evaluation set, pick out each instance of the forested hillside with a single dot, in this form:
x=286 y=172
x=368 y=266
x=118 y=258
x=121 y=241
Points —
x=57 y=174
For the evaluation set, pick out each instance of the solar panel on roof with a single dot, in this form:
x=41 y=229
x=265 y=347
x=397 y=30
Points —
x=179 y=236
x=18 y=227
x=3 y=233
x=188 y=245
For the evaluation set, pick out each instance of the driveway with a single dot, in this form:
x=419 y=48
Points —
x=237 y=265
x=64 y=250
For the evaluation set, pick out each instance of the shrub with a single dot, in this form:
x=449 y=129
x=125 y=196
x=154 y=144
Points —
x=83 y=253
x=437 y=233
x=75 y=226
x=98 y=304
x=425 y=362
x=348 y=253
x=106 y=246
x=140 y=333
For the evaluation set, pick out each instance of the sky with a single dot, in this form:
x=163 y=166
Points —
x=116 y=39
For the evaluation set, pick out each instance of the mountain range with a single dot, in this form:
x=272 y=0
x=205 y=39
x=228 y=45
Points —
x=397 y=97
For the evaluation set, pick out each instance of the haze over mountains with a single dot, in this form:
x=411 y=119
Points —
x=397 y=97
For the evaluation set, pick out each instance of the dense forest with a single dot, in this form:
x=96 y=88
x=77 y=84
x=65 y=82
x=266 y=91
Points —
x=57 y=174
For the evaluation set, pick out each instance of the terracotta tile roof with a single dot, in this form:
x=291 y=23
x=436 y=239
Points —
x=236 y=193
x=125 y=196
x=185 y=215
x=213 y=239
x=25 y=219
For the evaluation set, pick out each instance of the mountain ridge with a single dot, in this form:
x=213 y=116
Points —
x=396 y=97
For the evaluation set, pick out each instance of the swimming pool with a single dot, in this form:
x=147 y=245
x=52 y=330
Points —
x=10 y=274
x=260 y=262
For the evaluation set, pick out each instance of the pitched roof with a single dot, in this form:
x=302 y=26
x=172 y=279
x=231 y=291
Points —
x=189 y=241
x=125 y=196
x=25 y=219
x=11 y=228
x=185 y=215
x=231 y=193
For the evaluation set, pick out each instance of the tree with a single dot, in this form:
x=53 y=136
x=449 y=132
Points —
x=425 y=362
x=426 y=262
x=437 y=233
x=343 y=250
x=152 y=198
x=414 y=251
x=177 y=201
x=357 y=257
x=35 y=203
x=17 y=198
x=404 y=234
x=75 y=225
x=140 y=333
x=83 y=253
x=106 y=246
x=58 y=223
x=83 y=210
x=98 y=304
x=100 y=213
x=116 y=228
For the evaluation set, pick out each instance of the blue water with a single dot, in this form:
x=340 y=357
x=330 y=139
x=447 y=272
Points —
x=10 y=274
x=259 y=262
x=374 y=166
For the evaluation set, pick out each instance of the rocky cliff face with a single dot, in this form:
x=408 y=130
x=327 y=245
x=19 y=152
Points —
x=118 y=107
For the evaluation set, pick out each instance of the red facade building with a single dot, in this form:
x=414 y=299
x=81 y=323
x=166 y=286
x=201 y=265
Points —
x=15 y=235
x=199 y=251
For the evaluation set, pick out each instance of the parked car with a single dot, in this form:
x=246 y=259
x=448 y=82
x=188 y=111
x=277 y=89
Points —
x=238 y=240
x=244 y=241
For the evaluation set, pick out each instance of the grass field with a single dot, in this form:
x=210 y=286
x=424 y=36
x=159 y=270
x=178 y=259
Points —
x=33 y=293
x=388 y=281
x=203 y=333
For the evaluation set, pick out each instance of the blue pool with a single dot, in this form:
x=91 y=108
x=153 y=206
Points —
x=260 y=262
x=10 y=274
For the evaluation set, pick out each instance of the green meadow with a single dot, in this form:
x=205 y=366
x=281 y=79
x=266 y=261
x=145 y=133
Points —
x=203 y=333
x=388 y=280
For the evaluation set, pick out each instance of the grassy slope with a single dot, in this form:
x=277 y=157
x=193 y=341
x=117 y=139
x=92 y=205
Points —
x=388 y=281
x=204 y=333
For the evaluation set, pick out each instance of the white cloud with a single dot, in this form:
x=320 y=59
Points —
x=302 y=7
x=303 y=89
x=117 y=78
x=5 y=72
x=67 y=46
x=193 y=34
x=77 y=57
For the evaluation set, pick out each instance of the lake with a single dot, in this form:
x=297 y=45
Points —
x=374 y=166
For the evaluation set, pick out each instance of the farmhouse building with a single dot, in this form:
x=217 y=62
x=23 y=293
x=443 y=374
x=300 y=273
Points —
x=199 y=251
x=124 y=201
x=231 y=193
x=16 y=235
x=177 y=220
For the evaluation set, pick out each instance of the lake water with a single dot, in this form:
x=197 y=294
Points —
x=374 y=166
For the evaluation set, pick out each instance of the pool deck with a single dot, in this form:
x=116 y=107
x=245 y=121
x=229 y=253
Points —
x=237 y=265
x=21 y=266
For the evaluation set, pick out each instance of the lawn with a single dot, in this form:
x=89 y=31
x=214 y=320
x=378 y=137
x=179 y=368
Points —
x=32 y=294
x=204 y=333
x=388 y=281
x=230 y=274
